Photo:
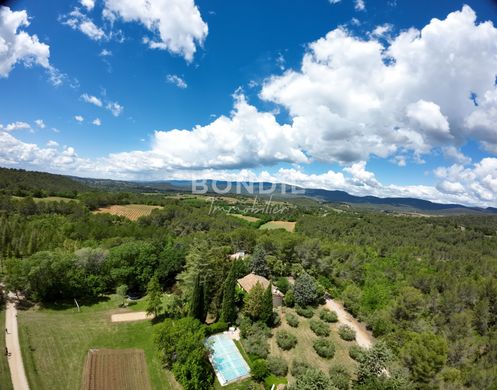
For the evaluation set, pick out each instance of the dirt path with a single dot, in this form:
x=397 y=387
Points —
x=17 y=373
x=133 y=316
x=363 y=336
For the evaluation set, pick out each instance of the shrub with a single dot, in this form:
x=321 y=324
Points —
x=216 y=327
x=306 y=312
x=346 y=333
x=259 y=370
x=285 y=340
x=275 y=320
x=278 y=366
x=292 y=320
x=320 y=328
x=283 y=284
x=328 y=316
x=256 y=345
x=340 y=377
x=254 y=338
x=356 y=353
x=289 y=299
x=324 y=348
x=299 y=368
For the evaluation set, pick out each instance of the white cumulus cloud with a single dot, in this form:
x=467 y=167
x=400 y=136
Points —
x=97 y=122
x=79 y=21
x=17 y=46
x=79 y=118
x=176 y=25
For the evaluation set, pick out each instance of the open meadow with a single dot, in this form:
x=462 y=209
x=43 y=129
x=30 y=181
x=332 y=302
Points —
x=271 y=225
x=55 y=343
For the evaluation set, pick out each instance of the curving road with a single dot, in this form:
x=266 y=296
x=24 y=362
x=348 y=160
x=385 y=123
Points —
x=17 y=373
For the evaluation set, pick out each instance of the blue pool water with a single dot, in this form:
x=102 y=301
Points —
x=226 y=359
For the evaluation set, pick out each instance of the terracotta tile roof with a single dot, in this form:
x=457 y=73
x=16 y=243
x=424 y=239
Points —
x=249 y=281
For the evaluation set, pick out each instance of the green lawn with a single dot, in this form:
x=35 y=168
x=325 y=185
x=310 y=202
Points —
x=5 y=383
x=55 y=342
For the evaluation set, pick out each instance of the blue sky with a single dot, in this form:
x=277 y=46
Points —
x=371 y=97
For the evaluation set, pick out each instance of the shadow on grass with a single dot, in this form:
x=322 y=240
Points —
x=69 y=304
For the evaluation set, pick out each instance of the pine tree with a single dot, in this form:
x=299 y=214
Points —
x=197 y=300
x=154 y=295
x=258 y=262
x=228 y=307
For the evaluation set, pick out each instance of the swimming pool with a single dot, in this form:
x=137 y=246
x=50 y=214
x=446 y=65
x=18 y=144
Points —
x=228 y=363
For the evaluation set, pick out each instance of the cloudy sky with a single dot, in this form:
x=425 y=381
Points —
x=384 y=97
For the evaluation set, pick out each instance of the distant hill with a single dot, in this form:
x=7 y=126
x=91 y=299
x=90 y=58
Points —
x=20 y=182
x=38 y=184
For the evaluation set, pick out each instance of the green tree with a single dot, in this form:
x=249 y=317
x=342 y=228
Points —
x=122 y=292
x=154 y=296
x=197 y=309
x=305 y=290
x=181 y=346
x=374 y=362
x=312 y=379
x=258 y=262
x=228 y=307
x=424 y=354
x=267 y=305
x=255 y=302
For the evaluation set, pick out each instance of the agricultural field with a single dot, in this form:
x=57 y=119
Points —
x=5 y=383
x=116 y=369
x=304 y=350
x=271 y=225
x=50 y=199
x=130 y=211
x=246 y=217
x=55 y=342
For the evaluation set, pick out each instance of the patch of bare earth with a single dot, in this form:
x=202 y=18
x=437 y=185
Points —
x=116 y=369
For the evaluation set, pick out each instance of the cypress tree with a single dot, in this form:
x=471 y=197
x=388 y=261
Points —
x=267 y=305
x=228 y=307
x=197 y=300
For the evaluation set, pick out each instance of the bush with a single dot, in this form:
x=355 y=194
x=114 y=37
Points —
x=285 y=340
x=256 y=345
x=275 y=320
x=346 y=333
x=320 y=328
x=216 y=327
x=324 y=348
x=340 y=377
x=254 y=338
x=259 y=370
x=292 y=320
x=282 y=284
x=306 y=312
x=357 y=353
x=328 y=316
x=289 y=299
x=278 y=366
x=299 y=368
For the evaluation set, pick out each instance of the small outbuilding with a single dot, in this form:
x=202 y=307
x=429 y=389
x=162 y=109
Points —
x=248 y=282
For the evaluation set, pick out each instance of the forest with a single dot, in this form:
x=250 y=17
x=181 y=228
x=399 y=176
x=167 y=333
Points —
x=425 y=286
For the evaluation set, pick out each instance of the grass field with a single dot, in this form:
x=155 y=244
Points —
x=5 y=383
x=304 y=350
x=49 y=199
x=55 y=343
x=246 y=217
x=116 y=369
x=130 y=211
x=271 y=225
